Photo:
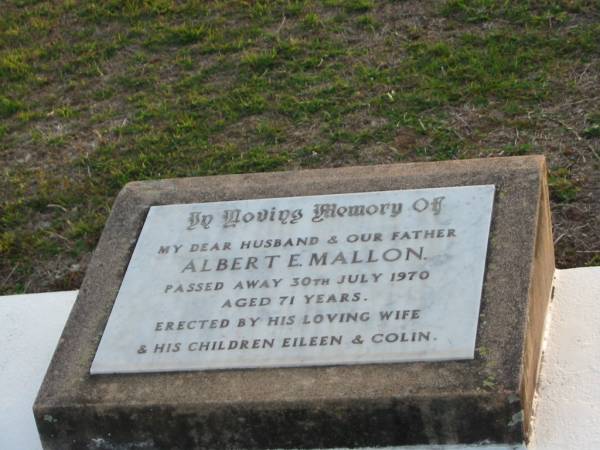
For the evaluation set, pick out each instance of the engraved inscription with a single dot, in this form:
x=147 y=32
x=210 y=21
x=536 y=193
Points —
x=358 y=278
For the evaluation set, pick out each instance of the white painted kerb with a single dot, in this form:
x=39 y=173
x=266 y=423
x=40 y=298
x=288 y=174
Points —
x=567 y=411
x=30 y=326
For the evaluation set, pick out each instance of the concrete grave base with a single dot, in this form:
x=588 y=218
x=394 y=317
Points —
x=487 y=399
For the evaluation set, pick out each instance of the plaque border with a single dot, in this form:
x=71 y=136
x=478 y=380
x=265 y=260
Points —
x=308 y=364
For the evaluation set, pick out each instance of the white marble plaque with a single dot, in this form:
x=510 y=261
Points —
x=374 y=277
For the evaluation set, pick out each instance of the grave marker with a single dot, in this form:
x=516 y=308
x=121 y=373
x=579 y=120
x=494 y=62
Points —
x=362 y=306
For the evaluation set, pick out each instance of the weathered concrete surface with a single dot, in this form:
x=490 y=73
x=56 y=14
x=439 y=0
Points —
x=352 y=406
x=30 y=326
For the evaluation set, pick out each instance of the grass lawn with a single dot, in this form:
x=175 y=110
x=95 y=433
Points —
x=94 y=94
